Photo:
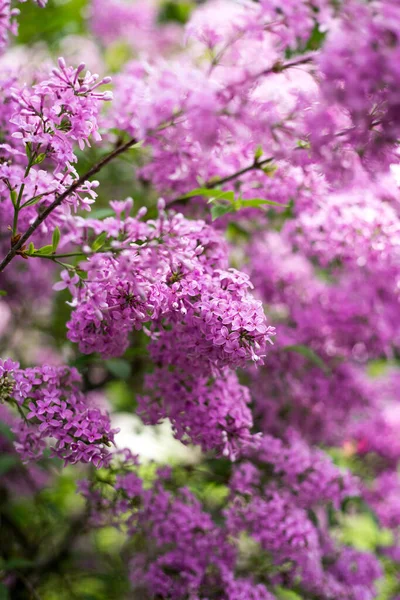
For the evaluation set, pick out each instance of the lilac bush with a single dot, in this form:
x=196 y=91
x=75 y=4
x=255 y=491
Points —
x=247 y=298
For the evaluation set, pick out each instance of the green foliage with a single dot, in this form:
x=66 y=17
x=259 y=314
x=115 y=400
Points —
x=219 y=210
x=99 y=241
x=6 y=432
x=283 y=594
x=120 y=395
x=119 y=367
x=213 y=194
x=309 y=354
x=178 y=12
x=60 y=19
x=13 y=564
x=44 y=250
x=224 y=202
x=56 y=239
x=8 y=462
x=377 y=368
x=363 y=532
x=116 y=55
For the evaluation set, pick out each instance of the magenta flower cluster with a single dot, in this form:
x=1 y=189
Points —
x=54 y=408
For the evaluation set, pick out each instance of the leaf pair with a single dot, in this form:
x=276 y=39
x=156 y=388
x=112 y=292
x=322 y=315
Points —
x=224 y=202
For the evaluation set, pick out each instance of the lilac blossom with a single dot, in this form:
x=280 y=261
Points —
x=54 y=408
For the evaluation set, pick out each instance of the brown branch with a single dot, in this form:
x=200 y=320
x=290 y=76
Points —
x=278 y=67
x=58 y=201
x=213 y=184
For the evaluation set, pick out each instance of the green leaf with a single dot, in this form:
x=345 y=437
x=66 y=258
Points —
x=269 y=169
x=377 y=368
x=39 y=159
x=33 y=200
x=258 y=153
x=44 y=250
x=56 y=238
x=99 y=241
x=3 y=293
x=101 y=213
x=177 y=12
x=4 y=594
x=221 y=195
x=8 y=462
x=303 y=144
x=31 y=248
x=15 y=564
x=14 y=197
x=283 y=594
x=5 y=431
x=257 y=202
x=119 y=367
x=316 y=39
x=212 y=194
x=138 y=144
x=309 y=354
x=28 y=149
x=218 y=210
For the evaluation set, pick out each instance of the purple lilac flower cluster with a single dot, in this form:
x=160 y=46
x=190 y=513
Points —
x=41 y=125
x=43 y=122
x=210 y=411
x=54 y=408
x=136 y=24
x=363 y=76
x=276 y=515
x=186 y=553
x=56 y=113
x=279 y=499
x=8 y=24
x=170 y=277
x=21 y=479
x=171 y=271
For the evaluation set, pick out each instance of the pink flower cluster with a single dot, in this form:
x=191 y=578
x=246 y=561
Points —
x=279 y=498
x=57 y=113
x=21 y=479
